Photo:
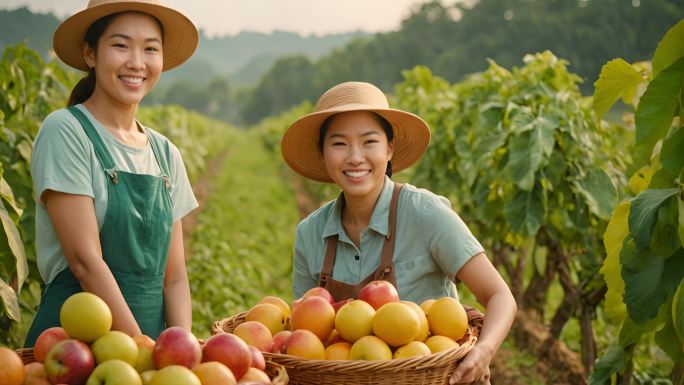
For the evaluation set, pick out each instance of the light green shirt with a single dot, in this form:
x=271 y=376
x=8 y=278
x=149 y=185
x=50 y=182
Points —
x=64 y=160
x=432 y=244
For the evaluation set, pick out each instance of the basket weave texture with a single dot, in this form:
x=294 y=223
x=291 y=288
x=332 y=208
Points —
x=432 y=369
x=275 y=371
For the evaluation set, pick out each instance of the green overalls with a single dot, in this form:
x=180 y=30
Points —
x=135 y=240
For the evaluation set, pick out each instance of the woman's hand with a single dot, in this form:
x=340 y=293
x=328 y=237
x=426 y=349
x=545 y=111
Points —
x=474 y=369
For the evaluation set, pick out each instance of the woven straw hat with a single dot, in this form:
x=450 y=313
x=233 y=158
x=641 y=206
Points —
x=179 y=41
x=300 y=143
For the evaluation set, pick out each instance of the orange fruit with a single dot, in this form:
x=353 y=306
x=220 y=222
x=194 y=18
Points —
x=440 y=343
x=12 y=368
x=447 y=317
x=396 y=323
x=422 y=320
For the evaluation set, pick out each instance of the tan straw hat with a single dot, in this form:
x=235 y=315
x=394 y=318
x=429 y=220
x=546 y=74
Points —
x=300 y=143
x=179 y=41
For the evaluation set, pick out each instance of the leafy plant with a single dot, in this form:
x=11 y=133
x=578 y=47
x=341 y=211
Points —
x=521 y=156
x=30 y=88
x=644 y=270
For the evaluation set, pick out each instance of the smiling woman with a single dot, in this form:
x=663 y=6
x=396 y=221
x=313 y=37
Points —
x=380 y=230
x=111 y=192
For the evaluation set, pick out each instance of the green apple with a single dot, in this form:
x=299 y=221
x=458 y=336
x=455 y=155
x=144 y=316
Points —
x=114 y=372
x=174 y=375
x=85 y=317
x=115 y=345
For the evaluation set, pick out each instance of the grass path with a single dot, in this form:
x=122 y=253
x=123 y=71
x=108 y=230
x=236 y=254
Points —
x=242 y=241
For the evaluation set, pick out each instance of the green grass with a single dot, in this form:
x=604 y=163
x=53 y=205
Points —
x=242 y=244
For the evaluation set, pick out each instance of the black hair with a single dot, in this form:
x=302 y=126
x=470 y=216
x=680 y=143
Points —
x=386 y=127
x=86 y=86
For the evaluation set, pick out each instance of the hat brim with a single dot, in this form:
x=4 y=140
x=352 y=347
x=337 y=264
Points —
x=301 y=152
x=179 y=42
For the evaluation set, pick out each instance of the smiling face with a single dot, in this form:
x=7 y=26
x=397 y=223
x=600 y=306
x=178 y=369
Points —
x=356 y=152
x=129 y=58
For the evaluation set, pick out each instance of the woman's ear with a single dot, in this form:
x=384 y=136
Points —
x=390 y=150
x=89 y=55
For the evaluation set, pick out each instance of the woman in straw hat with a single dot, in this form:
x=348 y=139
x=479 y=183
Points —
x=111 y=192
x=378 y=229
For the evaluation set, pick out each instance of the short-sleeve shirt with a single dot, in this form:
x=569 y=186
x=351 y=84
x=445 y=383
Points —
x=432 y=244
x=64 y=160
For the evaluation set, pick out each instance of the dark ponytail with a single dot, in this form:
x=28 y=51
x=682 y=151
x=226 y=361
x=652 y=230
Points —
x=83 y=90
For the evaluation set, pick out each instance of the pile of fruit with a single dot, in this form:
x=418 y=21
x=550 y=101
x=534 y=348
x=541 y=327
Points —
x=85 y=351
x=376 y=326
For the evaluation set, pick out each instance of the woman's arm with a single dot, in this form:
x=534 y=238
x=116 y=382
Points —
x=73 y=217
x=177 y=305
x=485 y=282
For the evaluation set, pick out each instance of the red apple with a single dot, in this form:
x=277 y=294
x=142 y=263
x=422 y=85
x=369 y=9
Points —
x=229 y=350
x=337 y=305
x=176 y=346
x=46 y=340
x=258 y=360
x=378 y=293
x=69 y=362
x=319 y=292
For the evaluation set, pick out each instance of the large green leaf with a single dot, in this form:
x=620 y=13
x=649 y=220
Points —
x=657 y=107
x=528 y=149
x=670 y=48
x=671 y=154
x=15 y=245
x=599 y=192
x=613 y=238
x=644 y=212
x=649 y=280
x=613 y=361
x=618 y=79
x=9 y=300
x=525 y=212
x=643 y=292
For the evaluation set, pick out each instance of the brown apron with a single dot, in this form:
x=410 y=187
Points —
x=385 y=271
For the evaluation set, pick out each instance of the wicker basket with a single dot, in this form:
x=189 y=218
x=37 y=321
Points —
x=26 y=355
x=432 y=369
x=275 y=371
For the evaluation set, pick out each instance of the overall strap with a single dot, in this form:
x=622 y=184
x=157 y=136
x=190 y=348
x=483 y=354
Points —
x=385 y=267
x=157 y=144
x=329 y=261
x=101 y=150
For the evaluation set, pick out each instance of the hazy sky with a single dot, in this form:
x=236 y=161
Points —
x=220 y=17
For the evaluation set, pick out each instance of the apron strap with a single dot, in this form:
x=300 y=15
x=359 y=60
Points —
x=329 y=261
x=100 y=149
x=385 y=269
